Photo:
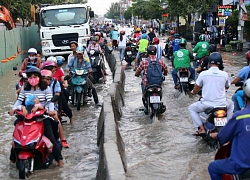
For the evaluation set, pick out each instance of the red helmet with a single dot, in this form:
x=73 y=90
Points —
x=248 y=56
x=122 y=32
x=172 y=32
x=47 y=64
x=156 y=40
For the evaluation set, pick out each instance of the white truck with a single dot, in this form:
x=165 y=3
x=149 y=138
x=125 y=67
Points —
x=61 y=24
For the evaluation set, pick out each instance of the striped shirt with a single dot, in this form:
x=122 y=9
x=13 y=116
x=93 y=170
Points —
x=43 y=96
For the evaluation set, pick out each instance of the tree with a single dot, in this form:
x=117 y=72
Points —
x=114 y=11
x=128 y=13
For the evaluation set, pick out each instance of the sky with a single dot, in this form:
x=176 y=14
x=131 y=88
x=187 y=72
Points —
x=100 y=6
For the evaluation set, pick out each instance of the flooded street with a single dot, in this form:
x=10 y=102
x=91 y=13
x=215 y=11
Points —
x=167 y=149
x=80 y=159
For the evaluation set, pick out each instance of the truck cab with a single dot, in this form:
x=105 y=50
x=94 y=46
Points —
x=61 y=24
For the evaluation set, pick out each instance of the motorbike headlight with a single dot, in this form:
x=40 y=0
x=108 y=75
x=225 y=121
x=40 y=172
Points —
x=79 y=71
x=31 y=145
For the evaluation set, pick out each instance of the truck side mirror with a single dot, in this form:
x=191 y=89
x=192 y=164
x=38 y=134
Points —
x=91 y=14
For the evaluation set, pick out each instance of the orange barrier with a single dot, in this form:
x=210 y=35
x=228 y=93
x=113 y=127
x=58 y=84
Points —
x=9 y=58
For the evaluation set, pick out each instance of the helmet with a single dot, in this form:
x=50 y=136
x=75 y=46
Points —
x=73 y=42
x=248 y=56
x=80 y=49
x=151 y=50
x=183 y=41
x=215 y=58
x=212 y=48
x=202 y=37
x=60 y=60
x=51 y=59
x=144 y=31
x=246 y=88
x=32 y=70
x=32 y=51
x=48 y=64
x=176 y=35
x=122 y=32
x=98 y=34
x=172 y=32
x=144 y=36
x=46 y=73
x=156 y=40
x=116 y=29
x=138 y=29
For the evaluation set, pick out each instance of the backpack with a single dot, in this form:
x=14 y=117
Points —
x=154 y=73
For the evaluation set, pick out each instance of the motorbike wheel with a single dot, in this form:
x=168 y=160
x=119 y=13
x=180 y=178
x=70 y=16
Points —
x=78 y=101
x=183 y=88
x=154 y=116
x=73 y=98
x=22 y=167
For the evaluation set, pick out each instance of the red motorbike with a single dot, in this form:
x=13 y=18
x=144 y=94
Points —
x=33 y=150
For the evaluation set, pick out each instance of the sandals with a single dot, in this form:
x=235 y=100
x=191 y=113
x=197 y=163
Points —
x=197 y=133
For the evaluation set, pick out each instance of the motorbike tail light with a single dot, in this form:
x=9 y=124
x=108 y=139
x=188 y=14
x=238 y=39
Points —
x=158 y=89
x=150 y=90
x=220 y=113
x=128 y=48
x=183 y=70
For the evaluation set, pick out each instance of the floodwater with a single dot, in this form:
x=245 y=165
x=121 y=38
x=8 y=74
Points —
x=81 y=158
x=167 y=149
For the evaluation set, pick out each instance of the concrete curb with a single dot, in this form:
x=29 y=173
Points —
x=112 y=159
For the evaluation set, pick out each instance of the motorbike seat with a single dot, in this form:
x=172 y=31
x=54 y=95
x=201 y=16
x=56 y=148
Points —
x=209 y=110
x=153 y=86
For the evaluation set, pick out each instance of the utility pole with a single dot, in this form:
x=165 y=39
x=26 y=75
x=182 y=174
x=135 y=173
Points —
x=240 y=27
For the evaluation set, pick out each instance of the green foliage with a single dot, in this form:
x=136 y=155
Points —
x=114 y=11
x=128 y=13
x=147 y=9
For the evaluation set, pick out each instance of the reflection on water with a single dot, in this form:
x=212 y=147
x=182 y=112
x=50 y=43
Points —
x=167 y=149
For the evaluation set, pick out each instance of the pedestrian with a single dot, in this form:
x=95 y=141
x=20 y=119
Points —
x=122 y=44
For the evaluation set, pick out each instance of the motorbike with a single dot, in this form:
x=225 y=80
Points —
x=130 y=52
x=32 y=149
x=142 y=55
x=183 y=75
x=152 y=100
x=78 y=87
x=224 y=152
x=214 y=118
x=96 y=64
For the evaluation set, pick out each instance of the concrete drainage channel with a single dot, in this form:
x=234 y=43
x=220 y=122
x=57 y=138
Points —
x=112 y=159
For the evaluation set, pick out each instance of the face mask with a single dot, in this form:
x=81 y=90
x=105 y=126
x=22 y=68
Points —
x=33 y=81
x=32 y=58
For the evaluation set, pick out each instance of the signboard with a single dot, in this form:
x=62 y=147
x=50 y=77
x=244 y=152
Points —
x=222 y=21
x=192 y=23
x=224 y=11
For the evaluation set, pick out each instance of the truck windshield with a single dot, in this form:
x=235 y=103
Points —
x=63 y=17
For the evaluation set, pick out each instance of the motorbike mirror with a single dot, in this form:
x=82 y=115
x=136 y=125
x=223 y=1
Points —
x=232 y=75
x=14 y=68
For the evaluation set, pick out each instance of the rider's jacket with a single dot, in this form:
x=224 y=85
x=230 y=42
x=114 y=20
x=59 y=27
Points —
x=237 y=131
x=136 y=36
x=143 y=44
x=181 y=59
x=175 y=44
x=74 y=63
x=202 y=49
x=27 y=64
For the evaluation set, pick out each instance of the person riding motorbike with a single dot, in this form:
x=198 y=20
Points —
x=103 y=42
x=159 y=49
x=31 y=61
x=235 y=131
x=47 y=77
x=202 y=50
x=81 y=62
x=137 y=34
x=182 y=58
x=36 y=86
x=243 y=75
x=204 y=61
x=96 y=46
x=213 y=83
x=143 y=44
x=151 y=50
x=151 y=35
x=73 y=45
x=144 y=31
x=175 y=42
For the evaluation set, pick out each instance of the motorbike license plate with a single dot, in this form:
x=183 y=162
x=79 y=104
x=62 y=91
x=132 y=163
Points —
x=183 y=79
x=220 y=121
x=155 y=99
x=129 y=53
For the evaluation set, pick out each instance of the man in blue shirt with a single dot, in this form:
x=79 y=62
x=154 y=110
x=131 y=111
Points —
x=175 y=42
x=80 y=62
x=236 y=131
x=243 y=75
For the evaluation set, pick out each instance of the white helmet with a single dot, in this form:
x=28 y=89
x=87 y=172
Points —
x=32 y=51
x=246 y=88
x=52 y=59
